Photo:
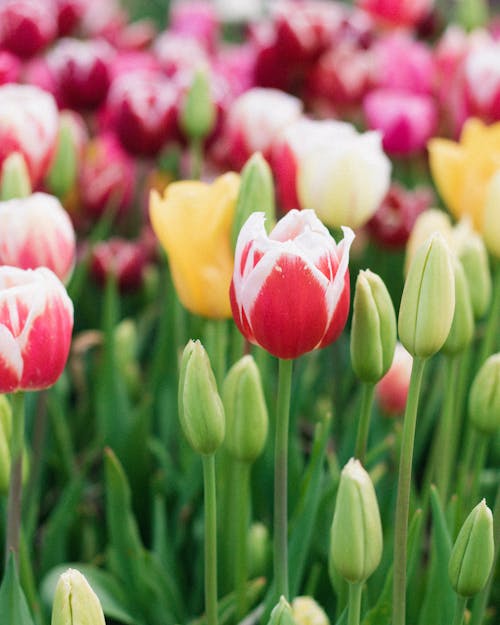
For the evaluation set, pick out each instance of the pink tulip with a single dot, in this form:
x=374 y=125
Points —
x=142 y=109
x=10 y=67
x=27 y=26
x=290 y=289
x=482 y=81
x=407 y=120
x=69 y=15
x=28 y=124
x=177 y=53
x=36 y=321
x=103 y=18
x=254 y=120
x=397 y=12
x=37 y=232
x=392 y=390
x=125 y=260
x=196 y=20
x=81 y=71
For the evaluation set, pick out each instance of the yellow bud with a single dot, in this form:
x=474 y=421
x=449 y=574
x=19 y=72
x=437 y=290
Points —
x=306 y=611
x=75 y=603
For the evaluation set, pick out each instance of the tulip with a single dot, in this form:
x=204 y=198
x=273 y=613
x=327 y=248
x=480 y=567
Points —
x=290 y=289
x=26 y=26
x=254 y=120
x=37 y=231
x=141 y=109
x=177 y=53
x=196 y=20
x=10 y=67
x=306 y=611
x=282 y=613
x=193 y=222
x=397 y=12
x=406 y=120
x=428 y=222
x=462 y=327
x=345 y=180
x=15 y=178
x=69 y=14
x=28 y=125
x=123 y=259
x=75 y=603
x=484 y=398
x=463 y=171
x=482 y=81
x=36 y=320
x=491 y=216
x=392 y=390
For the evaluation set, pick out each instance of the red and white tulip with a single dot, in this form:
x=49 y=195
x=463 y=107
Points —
x=290 y=289
x=37 y=232
x=392 y=390
x=36 y=321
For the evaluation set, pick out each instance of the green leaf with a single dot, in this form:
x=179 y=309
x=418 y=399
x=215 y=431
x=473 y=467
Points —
x=439 y=600
x=13 y=605
x=111 y=594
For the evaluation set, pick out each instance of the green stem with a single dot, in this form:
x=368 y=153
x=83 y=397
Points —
x=216 y=337
x=281 y=479
x=241 y=513
x=447 y=433
x=458 y=619
x=403 y=496
x=481 y=448
x=16 y=473
x=490 y=338
x=210 y=540
x=367 y=391
x=196 y=156
x=355 y=591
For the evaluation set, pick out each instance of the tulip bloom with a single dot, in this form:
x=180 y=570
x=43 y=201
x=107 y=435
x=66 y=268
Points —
x=392 y=390
x=397 y=12
x=27 y=26
x=463 y=171
x=36 y=321
x=290 y=289
x=28 y=124
x=37 y=231
x=193 y=223
x=482 y=81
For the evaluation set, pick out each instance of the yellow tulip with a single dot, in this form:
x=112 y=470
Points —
x=193 y=223
x=463 y=170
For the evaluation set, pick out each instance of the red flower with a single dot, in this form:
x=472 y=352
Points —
x=36 y=321
x=290 y=289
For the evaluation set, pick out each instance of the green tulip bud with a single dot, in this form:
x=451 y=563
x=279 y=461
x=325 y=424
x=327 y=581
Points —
x=75 y=603
x=245 y=409
x=462 y=326
x=356 y=533
x=259 y=549
x=61 y=177
x=373 y=334
x=472 y=253
x=256 y=193
x=198 y=113
x=200 y=408
x=15 y=179
x=428 y=300
x=484 y=397
x=471 y=558
x=306 y=611
x=281 y=614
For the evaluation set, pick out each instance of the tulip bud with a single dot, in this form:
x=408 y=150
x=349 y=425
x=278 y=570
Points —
x=428 y=222
x=428 y=300
x=472 y=554
x=246 y=412
x=259 y=549
x=61 y=177
x=282 y=613
x=306 y=611
x=491 y=217
x=356 y=533
x=75 y=603
x=200 y=408
x=198 y=113
x=462 y=327
x=256 y=193
x=5 y=431
x=484 y=398
x=373 y=333
x=15 y=179
x=472 y=253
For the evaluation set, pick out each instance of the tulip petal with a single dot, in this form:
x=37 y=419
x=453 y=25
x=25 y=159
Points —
x=11 y=362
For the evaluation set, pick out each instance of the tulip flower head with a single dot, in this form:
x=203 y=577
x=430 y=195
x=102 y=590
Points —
x=290 y=289
x=36 y=321
x=392 y=390
x=37 y=231
x=193 y=222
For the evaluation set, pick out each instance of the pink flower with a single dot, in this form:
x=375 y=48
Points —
x=407 y=120
x=142 y=109
x=177 y=53
x=69 y=14
x=125 y=260
x=482 y=81
x=36 y=321
x=37 y=232
x=10 y=67
x=397 y=12
x=196 y=20
x=106 y=177
x=81 y=71
x=27 y=26
x=290 y=289
x=392 y=390
x=28 y=124
x=254 y=120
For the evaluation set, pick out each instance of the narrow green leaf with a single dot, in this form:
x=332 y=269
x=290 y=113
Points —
x=13 y=605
